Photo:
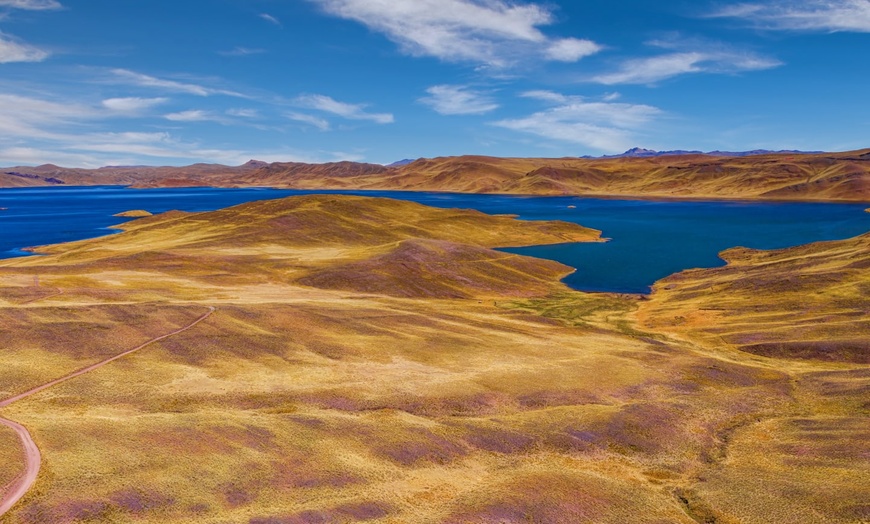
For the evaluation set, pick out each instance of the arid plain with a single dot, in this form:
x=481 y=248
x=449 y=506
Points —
x=344 y=359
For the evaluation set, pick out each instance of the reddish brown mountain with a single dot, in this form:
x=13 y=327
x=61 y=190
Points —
x=773 y=176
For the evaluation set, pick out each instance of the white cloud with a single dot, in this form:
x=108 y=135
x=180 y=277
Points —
x=192 y=115
x=458 y=100
x=547 y=96
x=571 y=49
x=350 y=111
x=138 y=79
x=13 y=51
x=132 y=104
x=492 y=32
x=605 y=126
x=17 y=155
x=271 y=19
x=317 y=122
x=804 y=15
x=242 y=51
x=64 y=132
x=243 y=113
x=27 y=117
x=656 y=68
x=31 y=5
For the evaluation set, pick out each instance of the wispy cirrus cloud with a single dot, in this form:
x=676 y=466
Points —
x=601 y=125
x=271 y=19
x=132 y=105
x=242 y=51
x=125 y=76
x=491 y=32
x=191 y=115
x=13 y=50
x=320 y=123
x=458 y=100
x=685 y=58
x=29 y=117
x=803 y=15
x=64 y=131
x=342 y=109
x=28 y=155
x=243 y=113
x=31 y=5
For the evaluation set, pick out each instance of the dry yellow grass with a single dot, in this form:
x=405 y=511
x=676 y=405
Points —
x=11 y=462
x=340 y=403
x=134 y=213
x=809 y=302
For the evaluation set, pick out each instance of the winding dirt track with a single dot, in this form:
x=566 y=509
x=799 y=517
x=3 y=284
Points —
x=32 y=460
x=32 y=457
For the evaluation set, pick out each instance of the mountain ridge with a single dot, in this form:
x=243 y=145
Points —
x=640 y=152
x=765 y=176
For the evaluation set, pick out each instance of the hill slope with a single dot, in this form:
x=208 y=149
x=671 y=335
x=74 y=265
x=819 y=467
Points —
x=807 y=302
x=386 y=246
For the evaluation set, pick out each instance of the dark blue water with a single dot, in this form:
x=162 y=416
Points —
x=649 y=239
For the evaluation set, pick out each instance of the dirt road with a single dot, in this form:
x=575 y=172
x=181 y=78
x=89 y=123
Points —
x=32 y=461
x=32 y=457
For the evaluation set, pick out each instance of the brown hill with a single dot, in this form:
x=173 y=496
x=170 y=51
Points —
x=383 y=246
x=844 y=176
x=773 y=176
x=440 y=269
x=806 y=302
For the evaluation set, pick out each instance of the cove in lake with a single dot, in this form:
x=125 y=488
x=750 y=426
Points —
x=649 y=239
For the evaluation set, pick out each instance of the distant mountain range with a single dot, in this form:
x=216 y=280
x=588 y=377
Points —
x=639 y=152
x=783 y=175
x=400 y=163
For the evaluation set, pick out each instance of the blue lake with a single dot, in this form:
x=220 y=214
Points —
x=649 y=239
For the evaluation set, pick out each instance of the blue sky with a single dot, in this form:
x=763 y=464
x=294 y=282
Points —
x=121 y=82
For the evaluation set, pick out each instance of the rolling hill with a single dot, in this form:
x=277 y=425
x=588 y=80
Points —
x=349 y=359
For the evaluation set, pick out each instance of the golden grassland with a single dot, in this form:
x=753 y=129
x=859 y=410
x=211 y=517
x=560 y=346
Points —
x=134 y=213
x=374 y=361
x=809 y=302
x=11 y=460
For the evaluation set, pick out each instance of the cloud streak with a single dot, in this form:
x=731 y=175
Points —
x=685 y=57
x=191 y=115
x=128 y=77
x=11 y=50
x=28 y=117
x=458 y=100
x=132 y=105
x=604 y=126
x=342 y=109
x=31 y=5
x=271 y=19
x=657 y=68
x=804 y=15
x=320 y=123
x=491 y=32
x=37 y=131
x=242 y=51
